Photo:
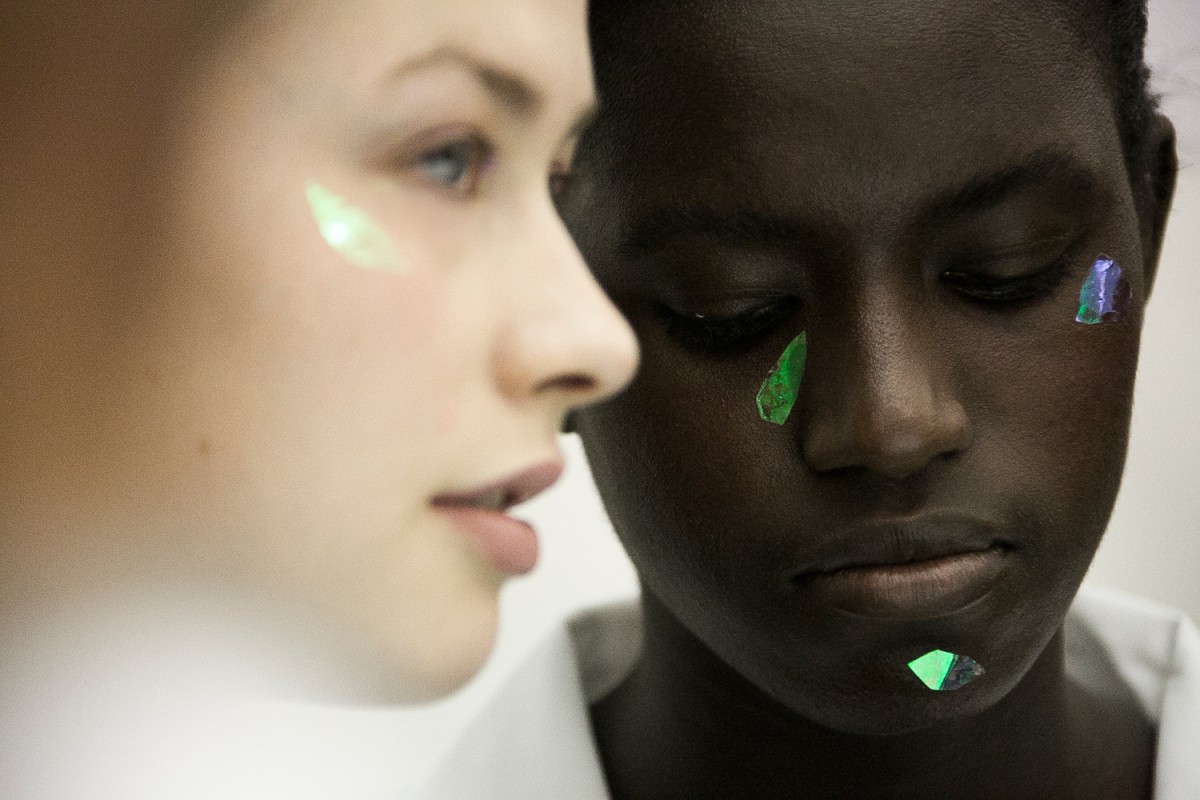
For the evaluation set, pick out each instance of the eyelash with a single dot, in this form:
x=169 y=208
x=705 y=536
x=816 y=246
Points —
x=724 y=335
x=1009 y=291
x=732 y=334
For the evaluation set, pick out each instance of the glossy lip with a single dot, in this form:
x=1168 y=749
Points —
x=509 y=544
x=923 y=568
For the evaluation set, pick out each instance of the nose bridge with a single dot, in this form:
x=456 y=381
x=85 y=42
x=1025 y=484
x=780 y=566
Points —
x=561 y=341
x=886 y=401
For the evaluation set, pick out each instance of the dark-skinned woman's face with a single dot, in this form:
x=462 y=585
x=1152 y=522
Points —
x=922 y=189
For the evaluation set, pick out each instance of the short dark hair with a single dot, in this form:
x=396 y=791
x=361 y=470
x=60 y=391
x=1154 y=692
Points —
x=1114 y=30
x=1123 y=49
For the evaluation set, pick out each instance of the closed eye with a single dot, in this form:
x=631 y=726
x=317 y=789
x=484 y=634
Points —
x=725 y=334
x=996 y=290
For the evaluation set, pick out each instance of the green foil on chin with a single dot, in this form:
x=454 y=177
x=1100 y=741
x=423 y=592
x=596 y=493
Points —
x=779 y=391
x=945 y=672
x=352 y=232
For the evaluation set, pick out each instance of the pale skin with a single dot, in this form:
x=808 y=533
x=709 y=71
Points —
x=200 y=391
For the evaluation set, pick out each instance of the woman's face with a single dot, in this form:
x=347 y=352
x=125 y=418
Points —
x=336 y=413
x=921 y=189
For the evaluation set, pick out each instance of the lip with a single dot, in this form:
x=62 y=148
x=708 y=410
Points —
x=926 y=568
x=509 y=544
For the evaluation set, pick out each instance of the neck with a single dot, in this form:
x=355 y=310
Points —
x=686 y=724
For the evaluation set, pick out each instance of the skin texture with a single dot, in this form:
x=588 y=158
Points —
x=200 y=393
x=845 y=126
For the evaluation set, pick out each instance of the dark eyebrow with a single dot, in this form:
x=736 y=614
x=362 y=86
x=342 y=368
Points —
x=987 y=191
x=741 y=229
x=512 y=91
x=748 y=229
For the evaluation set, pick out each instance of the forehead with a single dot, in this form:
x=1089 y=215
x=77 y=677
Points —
x=348 y=46
x=848 y=102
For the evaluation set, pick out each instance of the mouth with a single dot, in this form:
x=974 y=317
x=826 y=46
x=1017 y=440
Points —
x=509 y=544
x=912 y=570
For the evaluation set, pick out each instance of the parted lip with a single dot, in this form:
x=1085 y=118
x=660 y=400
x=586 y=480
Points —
x=883 y=543
x=507 y=492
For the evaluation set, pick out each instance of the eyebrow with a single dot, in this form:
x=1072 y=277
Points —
x=987 y=191
x=749 y=229
x=515 y=94
x=510 y=90
x=743 y=229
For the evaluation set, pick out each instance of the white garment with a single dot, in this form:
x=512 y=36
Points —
x=167 y=694
x=533 y=741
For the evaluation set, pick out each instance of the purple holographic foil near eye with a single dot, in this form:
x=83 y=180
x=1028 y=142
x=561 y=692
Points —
x=1106 y=296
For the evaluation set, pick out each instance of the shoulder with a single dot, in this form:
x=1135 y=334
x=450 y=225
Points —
x=533 y=737
x=1125 y=643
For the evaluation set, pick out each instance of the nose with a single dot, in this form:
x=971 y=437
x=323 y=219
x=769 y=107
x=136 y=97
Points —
x=884 y=401
x=563 y=344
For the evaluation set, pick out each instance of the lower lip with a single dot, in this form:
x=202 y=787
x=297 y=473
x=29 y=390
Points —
x=914 y=591
x=509 y=544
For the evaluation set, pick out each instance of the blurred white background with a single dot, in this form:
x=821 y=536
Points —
x=1153 y=544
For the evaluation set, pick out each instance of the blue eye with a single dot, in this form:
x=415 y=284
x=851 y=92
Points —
x=458 y=165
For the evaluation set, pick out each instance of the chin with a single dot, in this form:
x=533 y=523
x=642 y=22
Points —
x=893 y=711
x=435 y=659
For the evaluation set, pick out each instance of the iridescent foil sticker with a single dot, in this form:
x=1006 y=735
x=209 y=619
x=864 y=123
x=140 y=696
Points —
x=945 y=672
x=779 y=391
x=352 y=232
x=1106 y=296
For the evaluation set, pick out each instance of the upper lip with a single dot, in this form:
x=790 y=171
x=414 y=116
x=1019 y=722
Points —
x=896 y=542
x=507 y=492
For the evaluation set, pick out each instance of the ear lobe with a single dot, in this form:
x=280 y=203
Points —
x=1156 y=190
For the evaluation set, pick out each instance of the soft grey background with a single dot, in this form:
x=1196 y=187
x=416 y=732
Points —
x=1153 y=545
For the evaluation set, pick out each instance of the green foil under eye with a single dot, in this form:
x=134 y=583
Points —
x=351 y=232
x=945 y=672
x=779 y=391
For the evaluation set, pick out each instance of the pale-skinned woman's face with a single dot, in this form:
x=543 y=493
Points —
x=369 y=314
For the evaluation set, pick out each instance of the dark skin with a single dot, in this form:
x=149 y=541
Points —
x=921 y=187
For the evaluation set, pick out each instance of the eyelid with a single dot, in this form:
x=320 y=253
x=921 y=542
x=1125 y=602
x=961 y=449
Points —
x=724 y=308
x=1037 y=250
x=996 y=290
x=726 y=335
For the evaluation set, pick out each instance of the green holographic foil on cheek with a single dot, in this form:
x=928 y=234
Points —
x=351 y=231
x=779 y=391
x=945 y=672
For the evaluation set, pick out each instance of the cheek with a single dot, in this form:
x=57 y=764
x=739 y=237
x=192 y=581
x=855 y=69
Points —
x=680 y=457
x=1054 y=408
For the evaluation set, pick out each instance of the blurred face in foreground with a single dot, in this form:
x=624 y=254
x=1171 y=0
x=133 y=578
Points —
x=357 y=333
x=921 y=189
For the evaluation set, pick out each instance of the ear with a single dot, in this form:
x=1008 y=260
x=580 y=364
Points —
x=1155 y=188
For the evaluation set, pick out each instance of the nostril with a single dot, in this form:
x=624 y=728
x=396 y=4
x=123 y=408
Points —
x=895 y=445
x=573 y=383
